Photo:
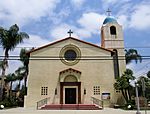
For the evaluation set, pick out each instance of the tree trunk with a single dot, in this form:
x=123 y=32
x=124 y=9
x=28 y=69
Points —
x=126 y=94
x=125 y=97
x=10 y=89
x=129 y=94
x=25 y=84
x=19 y=85
x=4 y=66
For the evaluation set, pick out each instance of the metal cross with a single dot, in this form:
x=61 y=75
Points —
x=108 y=12
x=70 y=32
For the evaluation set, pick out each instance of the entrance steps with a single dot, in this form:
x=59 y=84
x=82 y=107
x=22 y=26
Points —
x=71 y=107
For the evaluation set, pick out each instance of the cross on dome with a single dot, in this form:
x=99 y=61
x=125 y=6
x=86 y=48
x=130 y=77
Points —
x=108 y=12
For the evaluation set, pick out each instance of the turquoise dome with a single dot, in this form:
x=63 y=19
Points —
x=109 y=20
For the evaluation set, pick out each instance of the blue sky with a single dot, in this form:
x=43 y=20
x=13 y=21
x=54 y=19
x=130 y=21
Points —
x=49 y=20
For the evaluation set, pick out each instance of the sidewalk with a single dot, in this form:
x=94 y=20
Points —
x=34 y=111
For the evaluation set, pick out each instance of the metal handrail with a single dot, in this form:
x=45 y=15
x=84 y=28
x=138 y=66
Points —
x=97 y=102
x=42 y=102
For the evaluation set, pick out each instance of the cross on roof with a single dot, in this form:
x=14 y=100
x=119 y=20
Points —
x=108 y=12
x=70 y=32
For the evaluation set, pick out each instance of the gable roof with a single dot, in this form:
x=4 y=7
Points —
x=50 y=44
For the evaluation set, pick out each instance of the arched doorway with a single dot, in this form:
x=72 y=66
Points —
x=70 y=87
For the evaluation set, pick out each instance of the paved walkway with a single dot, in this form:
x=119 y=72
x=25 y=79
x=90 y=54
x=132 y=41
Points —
x=34 y=111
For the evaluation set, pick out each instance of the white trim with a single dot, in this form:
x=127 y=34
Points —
x=70 y=87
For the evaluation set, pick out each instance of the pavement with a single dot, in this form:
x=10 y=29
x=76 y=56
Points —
x=34 y=111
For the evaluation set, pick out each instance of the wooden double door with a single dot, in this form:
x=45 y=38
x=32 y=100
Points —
x=70 y=95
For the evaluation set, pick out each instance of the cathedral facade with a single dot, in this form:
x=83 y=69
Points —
x=72 y=71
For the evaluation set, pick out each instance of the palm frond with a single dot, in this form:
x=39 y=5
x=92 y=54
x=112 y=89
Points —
x=132 y=54
x=24 y=35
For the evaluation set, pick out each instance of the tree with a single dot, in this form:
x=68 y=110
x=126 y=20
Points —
x=146 y=87
x=1 y=65
x=132 y=54
x=123 y=84
x=148 y=74
x=1 y=80
x=9 y=39
x=20 y=72
x=10 y=78
x=25 y=60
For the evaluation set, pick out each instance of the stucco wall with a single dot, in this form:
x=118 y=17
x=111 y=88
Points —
x=45 y=73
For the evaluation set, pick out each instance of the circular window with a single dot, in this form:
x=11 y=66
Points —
x=70 y=54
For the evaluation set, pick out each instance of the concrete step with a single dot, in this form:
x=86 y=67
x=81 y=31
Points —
x=70 y=107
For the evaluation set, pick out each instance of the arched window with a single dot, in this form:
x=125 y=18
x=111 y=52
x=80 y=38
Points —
x=70 y=78
x=113 y=30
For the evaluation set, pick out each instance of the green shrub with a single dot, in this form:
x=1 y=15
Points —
x=130 y=105
x=9 y=102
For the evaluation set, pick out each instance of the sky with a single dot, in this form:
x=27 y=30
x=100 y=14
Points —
x=49 y=20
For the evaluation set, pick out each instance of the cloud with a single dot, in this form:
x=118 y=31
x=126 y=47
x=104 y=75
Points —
x=22 y=11
x=123 y=20
x=111 y=3
x=91 y=22
x=87 y=25
x=33 y=41
x=140 y=18
x=59 y=32
x=58 y=17
x=78 y=3
x=83 y=33
x=139 y=69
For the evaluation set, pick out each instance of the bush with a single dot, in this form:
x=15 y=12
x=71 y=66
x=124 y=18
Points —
x=9 y=102
x=130 y=105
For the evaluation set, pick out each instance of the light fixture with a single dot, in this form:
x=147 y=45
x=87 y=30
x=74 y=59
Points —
x=55 y=91
x=84 y=91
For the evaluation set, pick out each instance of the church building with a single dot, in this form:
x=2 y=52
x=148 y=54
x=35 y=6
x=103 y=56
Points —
x=73 y=71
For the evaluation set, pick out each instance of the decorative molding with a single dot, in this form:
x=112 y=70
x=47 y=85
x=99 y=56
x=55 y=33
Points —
x=69 y=72
x=70 y=47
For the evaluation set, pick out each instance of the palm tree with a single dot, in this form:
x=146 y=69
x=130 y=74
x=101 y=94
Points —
x=148 y=74
x=1 y=65
x=1 y=80
x=25 y=60
x=10 y=78
x=9 y=39
x=128 y=74
x=20 y=72
x=123 y=84
x=132 y=54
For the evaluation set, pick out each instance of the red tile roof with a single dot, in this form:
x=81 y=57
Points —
x=67 y=39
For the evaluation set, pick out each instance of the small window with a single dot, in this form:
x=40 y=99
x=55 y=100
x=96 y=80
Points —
x=44 y=90
x=96 y=90
x=113 y=30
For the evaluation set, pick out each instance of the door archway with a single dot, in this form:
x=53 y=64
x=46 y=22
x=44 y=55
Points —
x=70 y=87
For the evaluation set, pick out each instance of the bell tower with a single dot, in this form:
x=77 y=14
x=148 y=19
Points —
x=112 y=38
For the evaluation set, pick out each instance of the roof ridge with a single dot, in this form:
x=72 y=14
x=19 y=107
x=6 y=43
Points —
x=67 y=39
